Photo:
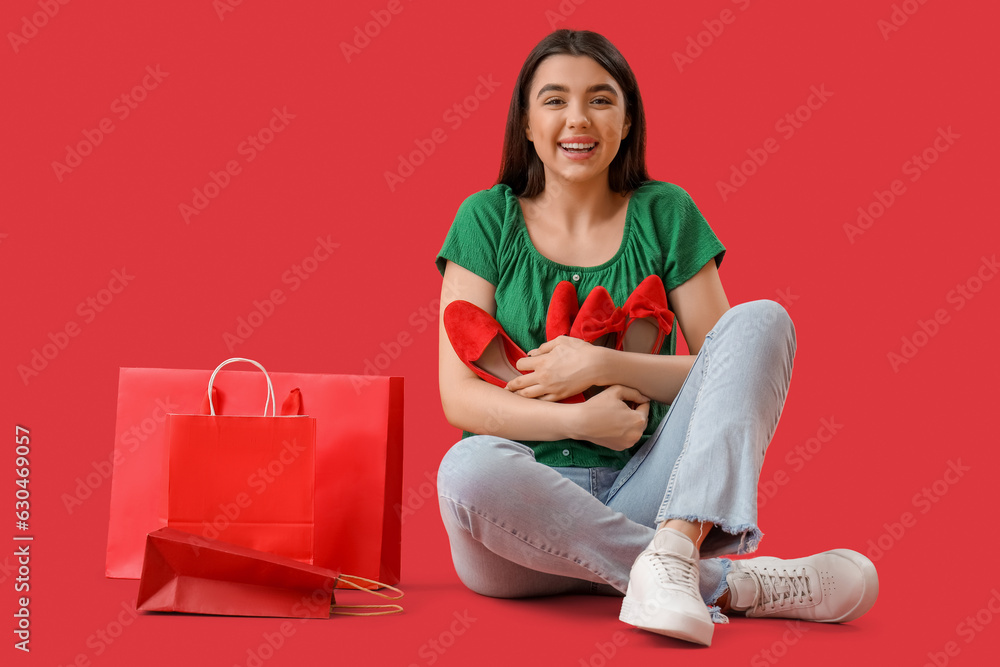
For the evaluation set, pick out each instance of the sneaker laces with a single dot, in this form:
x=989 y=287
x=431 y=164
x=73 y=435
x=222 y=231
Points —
x=676 y=571
x=778 y=587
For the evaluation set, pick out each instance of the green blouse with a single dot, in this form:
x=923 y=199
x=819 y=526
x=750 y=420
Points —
x=665 y=234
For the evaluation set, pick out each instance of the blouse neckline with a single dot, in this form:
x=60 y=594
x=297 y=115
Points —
x=626 y=233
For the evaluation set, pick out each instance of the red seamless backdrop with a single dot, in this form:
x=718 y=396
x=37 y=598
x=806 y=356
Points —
x=171 y=169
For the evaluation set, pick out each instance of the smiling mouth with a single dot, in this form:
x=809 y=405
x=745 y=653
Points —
x=578 y=148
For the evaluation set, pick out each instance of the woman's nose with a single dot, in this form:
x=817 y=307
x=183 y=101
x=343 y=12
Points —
x=577 y=116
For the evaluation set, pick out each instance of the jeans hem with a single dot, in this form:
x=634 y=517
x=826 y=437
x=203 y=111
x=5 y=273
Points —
x=714 y=609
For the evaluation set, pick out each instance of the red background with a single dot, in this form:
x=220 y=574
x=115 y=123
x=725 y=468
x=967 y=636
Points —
x=324 y=176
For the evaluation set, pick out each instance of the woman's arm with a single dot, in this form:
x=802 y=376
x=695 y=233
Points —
x=474 y=405
x=698 y=304
x=566 y=366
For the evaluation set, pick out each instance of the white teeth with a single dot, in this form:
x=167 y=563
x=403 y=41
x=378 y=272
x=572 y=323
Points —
x=578 y=146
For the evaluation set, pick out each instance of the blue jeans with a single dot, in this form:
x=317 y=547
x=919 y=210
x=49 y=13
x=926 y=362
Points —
x=519 y=528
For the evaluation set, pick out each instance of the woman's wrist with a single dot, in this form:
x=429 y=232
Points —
x=479 y=407
x=571 y=418
x=657 y=376
x=605 y=367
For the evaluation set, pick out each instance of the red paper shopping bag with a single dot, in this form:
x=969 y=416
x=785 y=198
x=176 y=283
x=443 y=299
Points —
x=359 y=448
x=247 y=480
x=196 y=575
x=188 y=573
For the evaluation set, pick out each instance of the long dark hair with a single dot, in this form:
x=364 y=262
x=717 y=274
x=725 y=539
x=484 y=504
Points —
x=520 y=167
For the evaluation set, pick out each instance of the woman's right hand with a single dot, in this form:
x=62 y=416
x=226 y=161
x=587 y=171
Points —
x=607 y=420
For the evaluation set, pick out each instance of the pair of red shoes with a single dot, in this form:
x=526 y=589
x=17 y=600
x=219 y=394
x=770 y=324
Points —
x=640 y=325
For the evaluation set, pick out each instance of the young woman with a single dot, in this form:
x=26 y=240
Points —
x=639 y=489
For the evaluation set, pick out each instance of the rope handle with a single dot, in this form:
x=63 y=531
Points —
x=384 y=608
x=270 y=388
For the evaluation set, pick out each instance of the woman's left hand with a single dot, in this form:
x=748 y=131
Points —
x=561 y=368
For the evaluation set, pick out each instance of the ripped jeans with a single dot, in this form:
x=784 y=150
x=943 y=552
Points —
x=518 y=528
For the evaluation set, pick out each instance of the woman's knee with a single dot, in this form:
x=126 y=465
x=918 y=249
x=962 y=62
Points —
x=478 y=582
x=474 y=461
x=490 y=575
x=763 y=319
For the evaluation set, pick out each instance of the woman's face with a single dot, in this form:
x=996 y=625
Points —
x=576 y=118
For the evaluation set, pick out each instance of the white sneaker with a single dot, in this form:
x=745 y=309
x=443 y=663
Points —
x=662 y=593
x=831 y=587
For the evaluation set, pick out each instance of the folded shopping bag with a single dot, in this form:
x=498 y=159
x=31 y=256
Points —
x=189 y=573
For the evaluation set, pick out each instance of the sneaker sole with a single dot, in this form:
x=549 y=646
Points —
x=669 y=623
x=870 y=592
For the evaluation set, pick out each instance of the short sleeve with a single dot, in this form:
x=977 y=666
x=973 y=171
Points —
x=474 y=237
x=685 y=236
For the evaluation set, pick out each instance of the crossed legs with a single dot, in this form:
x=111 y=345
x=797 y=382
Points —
x=518 y=528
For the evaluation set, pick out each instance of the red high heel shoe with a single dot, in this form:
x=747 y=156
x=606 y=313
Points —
x=482 y=345
x=599 y=322
x=563 y=308
x=648 y=320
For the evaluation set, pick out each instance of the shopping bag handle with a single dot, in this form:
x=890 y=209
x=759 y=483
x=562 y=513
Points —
x=383 y=609
x=291 y=407
x=270 y=388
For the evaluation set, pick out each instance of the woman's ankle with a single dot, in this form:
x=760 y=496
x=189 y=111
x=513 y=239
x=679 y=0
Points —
x=725 y=607
x=696 y=532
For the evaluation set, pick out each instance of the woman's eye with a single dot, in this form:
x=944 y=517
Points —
x=558 y=100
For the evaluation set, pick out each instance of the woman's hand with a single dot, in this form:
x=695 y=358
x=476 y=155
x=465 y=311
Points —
x=561 y=368
x=609 y=421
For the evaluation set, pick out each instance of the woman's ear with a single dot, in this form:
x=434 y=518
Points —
x=625 y=129
x=527 y=133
